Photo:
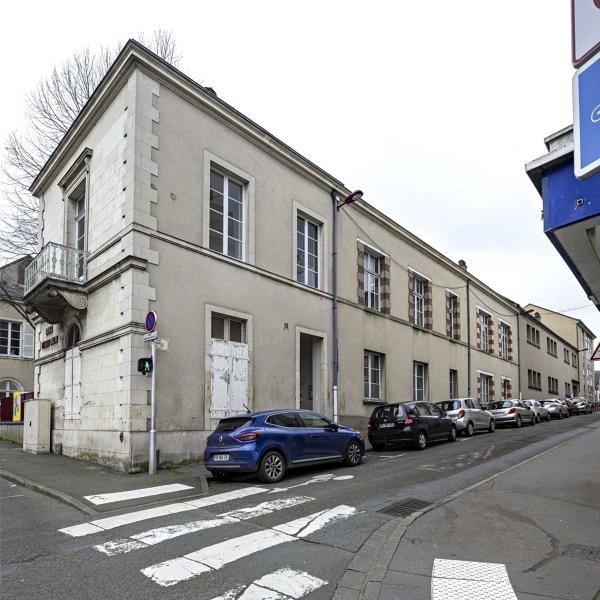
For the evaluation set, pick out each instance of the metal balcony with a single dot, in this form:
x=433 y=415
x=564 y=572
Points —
x=54 y=281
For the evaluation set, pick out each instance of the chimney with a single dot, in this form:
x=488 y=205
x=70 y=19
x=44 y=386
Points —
x=462 y=264
x=537 y=316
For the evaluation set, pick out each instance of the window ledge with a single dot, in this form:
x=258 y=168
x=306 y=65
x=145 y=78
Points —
x=373 y=401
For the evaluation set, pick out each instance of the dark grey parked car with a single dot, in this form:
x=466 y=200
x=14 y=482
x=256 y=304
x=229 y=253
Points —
x=511 y=412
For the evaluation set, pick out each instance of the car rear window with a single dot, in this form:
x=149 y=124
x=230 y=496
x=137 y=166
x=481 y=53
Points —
x=505 y=404
x=227 y=425
x=388 y=411
x=448 y=405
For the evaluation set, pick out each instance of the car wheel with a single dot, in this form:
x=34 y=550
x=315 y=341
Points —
x=353 y=456
x=272 y=467
x=538 y=419
x=533 y=421
x=452 y=436
x=548 y=417
x=518 y=421
x=421 y=442
x=492 y=426
x=560 y=414
x=377 y=447
x=470 y=430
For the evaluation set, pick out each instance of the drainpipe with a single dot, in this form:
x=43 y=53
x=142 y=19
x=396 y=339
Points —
x=519 y=351
x=468 y=341
x=334 y=315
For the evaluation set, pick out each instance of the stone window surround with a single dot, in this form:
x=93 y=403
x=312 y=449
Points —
x=413 y=274
x=384 y=276
x=211 y=160
x=209 y=309
x=382 y=379
x=509 y=352
x=299 y=210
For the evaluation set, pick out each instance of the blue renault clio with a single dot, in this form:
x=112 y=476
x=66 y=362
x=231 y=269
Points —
x=269 y=443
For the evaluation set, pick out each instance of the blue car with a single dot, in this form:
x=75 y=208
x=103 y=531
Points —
x=271 y=442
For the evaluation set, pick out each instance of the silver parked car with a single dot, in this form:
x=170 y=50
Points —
x=582 y=405
x=468 y=415
x=556 y=409
x=541 y=413
x=511 y=412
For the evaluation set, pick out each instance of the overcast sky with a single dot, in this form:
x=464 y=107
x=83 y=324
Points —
x=432 y=108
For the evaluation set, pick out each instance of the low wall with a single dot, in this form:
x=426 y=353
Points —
x=12 y=432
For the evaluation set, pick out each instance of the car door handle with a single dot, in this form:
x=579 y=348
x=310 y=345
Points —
x=314 y=435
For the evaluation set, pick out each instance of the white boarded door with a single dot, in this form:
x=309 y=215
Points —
x=229 y=378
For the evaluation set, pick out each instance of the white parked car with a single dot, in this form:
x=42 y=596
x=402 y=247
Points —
x=541 y=413
x=468 y=415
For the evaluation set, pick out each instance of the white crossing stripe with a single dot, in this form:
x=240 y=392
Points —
x=284 y=584
x=159 y=511
x=139 y=493
x=466 y=580
x=214 y=557
x=161 y=534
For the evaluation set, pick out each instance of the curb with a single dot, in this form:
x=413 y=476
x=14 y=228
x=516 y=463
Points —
x=48 y=491
x=363 y=576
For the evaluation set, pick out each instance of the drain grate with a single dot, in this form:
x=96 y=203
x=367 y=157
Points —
x=405 y=507
x=585 y=552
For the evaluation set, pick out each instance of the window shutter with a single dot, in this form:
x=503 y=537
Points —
x=457 y=318
x=411 y=298
x=478 y=320
x=490 y=335
x=76 y=403
x=428 y=306
x=384 y=261
x=360 y=272
x=68 y=405
x=27 y=333
x=448 y=315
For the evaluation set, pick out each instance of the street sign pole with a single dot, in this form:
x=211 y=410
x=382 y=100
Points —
x=152 y=442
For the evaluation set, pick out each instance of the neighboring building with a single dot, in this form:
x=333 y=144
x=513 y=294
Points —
x=571 y=210
x=548 y=363
x=161 y=196
x=579 y=335
x=16 y=334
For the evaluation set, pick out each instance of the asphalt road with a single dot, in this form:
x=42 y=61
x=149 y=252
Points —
x=254 y=535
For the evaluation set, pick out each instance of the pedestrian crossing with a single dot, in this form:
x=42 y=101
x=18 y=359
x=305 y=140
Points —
x=158 y=490
x=205 y=553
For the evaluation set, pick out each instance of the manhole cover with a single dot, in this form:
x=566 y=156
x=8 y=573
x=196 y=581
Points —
x=405 y=507
x=586 y=552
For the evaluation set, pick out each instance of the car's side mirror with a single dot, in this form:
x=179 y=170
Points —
x=333 y=426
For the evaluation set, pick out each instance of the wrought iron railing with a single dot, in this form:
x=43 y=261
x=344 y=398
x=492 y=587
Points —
x=56 y=262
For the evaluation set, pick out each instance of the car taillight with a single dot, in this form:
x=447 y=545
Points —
x=247 y=437
x=369 y=427
x=408 y=420
x=512 y=411
x=461 y=413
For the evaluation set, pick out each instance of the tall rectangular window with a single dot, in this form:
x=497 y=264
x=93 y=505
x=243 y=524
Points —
x=419 y=301
x=372 y=281
x=419 y=381
x=16 y=339
x=506 y=390
x=372 y=375
x=453 y=384
x=226 y=223
x=534 y=379
x=484 y=319
x=484 y=396
x=452 y=315
x=504 y=331
x=307 y=257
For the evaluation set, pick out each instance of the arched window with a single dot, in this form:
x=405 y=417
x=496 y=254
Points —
x=73 y=336
x=8 y=386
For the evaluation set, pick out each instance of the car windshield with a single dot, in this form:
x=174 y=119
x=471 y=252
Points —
x=449 y=405
x=388 y=412
x=227 y=425
x=504 y=404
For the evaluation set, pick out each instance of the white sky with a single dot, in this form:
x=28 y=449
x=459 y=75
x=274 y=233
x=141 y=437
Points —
x=432 y=108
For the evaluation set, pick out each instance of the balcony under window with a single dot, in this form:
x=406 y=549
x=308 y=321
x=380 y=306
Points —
x=55 y=282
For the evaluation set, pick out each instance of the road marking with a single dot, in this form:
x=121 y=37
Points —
x=13 y=496
x=284 y=584
x=159 y=511
x=214 y=557
x=387 y=457
x=161 y=534
x=468 y=439
x=139 y=493
x=315 y=479
x=464 y=580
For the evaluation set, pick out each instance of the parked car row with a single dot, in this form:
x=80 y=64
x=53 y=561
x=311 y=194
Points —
x=269 y=443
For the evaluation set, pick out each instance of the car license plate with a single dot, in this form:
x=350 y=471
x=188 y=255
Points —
x=386 y=425
x=220 y=457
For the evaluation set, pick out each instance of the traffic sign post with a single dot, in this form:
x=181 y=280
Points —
x=586 y=118
x=596 y=354
x=151 y=320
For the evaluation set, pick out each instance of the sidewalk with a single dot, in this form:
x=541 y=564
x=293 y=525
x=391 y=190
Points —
x=541 y=519
x=70 y=480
